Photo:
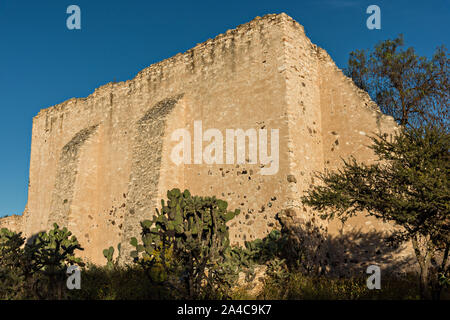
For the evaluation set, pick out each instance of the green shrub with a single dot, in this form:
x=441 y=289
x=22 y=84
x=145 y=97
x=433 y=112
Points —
x=297 y=286
x=11 y=264
x=118 y=283
x=36 y=270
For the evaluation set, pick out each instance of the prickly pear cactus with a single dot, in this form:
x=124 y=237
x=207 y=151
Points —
x=109 y=255
x=184 y=222
x=54 y=249
x=189 y=234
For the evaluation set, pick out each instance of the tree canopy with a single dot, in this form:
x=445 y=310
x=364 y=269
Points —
x=411 y=88
x=408 y=185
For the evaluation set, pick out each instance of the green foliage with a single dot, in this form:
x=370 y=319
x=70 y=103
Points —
x=245 y=259
x=122 y=282
x=415 y=91
x=257 y=252
x=10 y=248
x=48 y=256
x=11 y=260
x=36 y=269
x=409 y=185
x=187 y=242
x=297 y=286
x=109 y=255
x=54 y=250
x=277 y=271
x=114 y=281
x=412 y=89
x=262 y=250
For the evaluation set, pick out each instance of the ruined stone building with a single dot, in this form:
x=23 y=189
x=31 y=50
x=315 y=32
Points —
x=101 y=164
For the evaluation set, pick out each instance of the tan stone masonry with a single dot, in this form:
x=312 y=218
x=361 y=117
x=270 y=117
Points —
x=101 y=164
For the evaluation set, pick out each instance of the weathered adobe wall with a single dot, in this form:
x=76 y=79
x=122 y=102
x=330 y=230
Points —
x=349 y=118
x=330 y=119
x=101 y=164
x=13 y=223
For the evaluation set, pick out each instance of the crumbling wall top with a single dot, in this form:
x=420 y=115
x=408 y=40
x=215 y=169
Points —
x=258 y=24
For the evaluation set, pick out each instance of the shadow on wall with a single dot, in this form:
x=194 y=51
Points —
x=345 y=255
x=30 y=239
x=351 y=253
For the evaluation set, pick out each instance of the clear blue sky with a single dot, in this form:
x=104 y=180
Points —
x=42 y=63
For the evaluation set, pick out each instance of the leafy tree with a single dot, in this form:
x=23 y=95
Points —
x=11 y=264
x=186 y=245
x=408 y=185
x=412 y=89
